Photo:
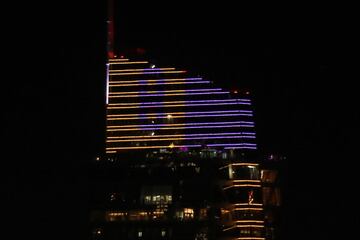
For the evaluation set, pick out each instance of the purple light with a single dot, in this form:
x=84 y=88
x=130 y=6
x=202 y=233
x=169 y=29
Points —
x=168 y=94
x=184 y=105
x=191 y=135
x=175 y=114
x=182 y=127
x=157 y=72
x=244 y=147
x=193 y=101
x=184 y=138
x=187 y=124
x=193 y=116
x=230 y=144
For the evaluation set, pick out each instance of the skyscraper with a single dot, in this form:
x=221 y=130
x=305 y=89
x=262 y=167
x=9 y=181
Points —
x=181 y=159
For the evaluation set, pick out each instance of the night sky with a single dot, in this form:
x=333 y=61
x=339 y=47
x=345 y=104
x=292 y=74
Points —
x=295 y=59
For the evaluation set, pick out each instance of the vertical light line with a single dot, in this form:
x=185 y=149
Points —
x=107 y=83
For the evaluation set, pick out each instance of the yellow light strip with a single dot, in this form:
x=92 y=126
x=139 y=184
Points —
x=140 y=69
x=151 y=80
x=139 y=104
x=145 y=140
x=251 y=238
x=162 y=128
x=246 y=221
x=118 y=59
x=147 y=92
x=243 y=226
x=242 y=185
x=247 y=181
x=110 y=151
x=129 y=107
x=135 y=62
x=246 y=209
x=247 y=204
x=160 y=117
x=147 y=84
x=167 y=94
x=140 y=73
x=144 y=147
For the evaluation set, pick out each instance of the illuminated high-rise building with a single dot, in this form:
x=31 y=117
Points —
x=181 y=159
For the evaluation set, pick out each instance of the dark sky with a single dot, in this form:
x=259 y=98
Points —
x=295 y=58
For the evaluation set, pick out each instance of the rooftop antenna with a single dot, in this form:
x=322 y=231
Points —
x=110 y=30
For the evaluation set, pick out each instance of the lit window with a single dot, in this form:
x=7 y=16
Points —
x=140 y=234
x=188 y=213
x=163 y=233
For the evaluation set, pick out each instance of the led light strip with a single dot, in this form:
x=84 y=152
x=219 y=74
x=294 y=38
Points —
x=242 y=185
x=156 y=80
x=177 y=139
x=181 y=105
x=183 y=102
x=182 y=128
x=167 y=91
x=180 y=124
x=141 y=69
x=154 y=84
x=167 y=94
x=187 y=135
x=148 y=147
x=118 y=59
x=126 y=63
x=145 y=73
x=175 y=113
x=184 y=116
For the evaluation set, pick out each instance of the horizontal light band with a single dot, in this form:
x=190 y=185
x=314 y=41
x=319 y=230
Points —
x=251 y=238
x=125 y=63
x=242 y=185
x=247 y=209
x=183 y=102
x=248 y=204
x=184 y=116
x=118 y=59
x=181 y=105
x=180 y=124
x=145 y=73
x=167 y=94
x=254 y=226
x=147 y=147
x=162 y=83
x=230 y=144
x=141 y=69
x=240 y=147
x=249 y=180
x=187 y=135
x=178 y=139
x=175 y=113
x=155 y=80
x=167 y=91
x=182 y=128
x=246 y=221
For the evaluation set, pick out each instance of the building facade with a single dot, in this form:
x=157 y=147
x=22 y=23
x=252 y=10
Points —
x=181 y=160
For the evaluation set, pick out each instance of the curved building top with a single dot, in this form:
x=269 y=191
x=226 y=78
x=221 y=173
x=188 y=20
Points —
x=151 y=107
